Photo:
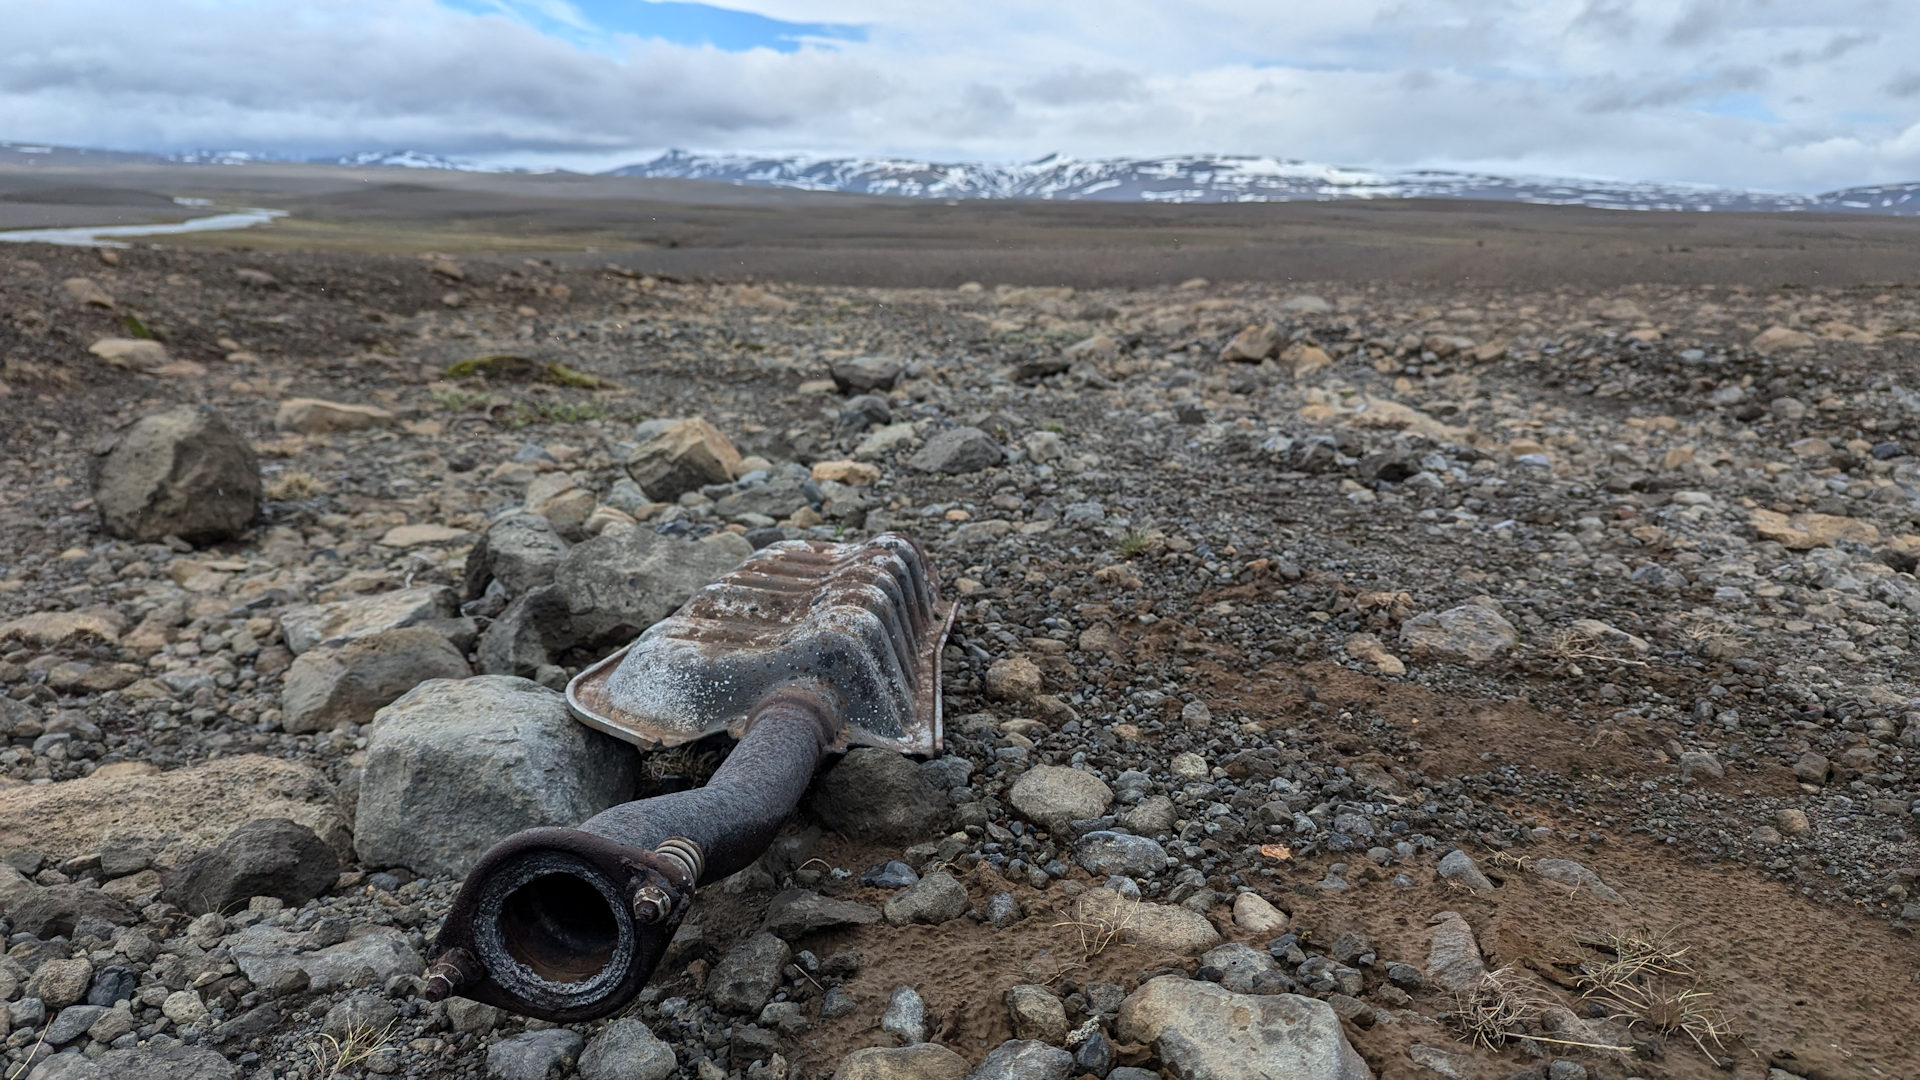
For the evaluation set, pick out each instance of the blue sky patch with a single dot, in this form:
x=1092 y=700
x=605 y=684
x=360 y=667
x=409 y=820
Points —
x=593 y=24
x=1741 y=106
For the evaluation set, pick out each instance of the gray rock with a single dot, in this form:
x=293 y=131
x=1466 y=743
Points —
x=60 y=983
x=523 y=638
x=1024 y=1059
x=532 y=1055
x=748 y=974
x=274 y=857
x=927 y=1061
x=1453 y=958
x=1701 y=763
x=359 y=1014
x=906 y=1016
x=454 y=767
x=1003 y=910
x=958 y=450
x=73 y=1022
x=113 y=983
x=333 y=685
x=55 y=910
x=1446 y=1063
x=175 y=1062
x=936 y=899
x=180 y=472
x=27 y=1013
x=343 y=620
x=875 y=794
x=1151 y=816
x=469 y=1015
x=627 y=1050
x=1154 y=926
x=616 y=585
x=1239 y=965
x=369 y=957
x=113 y=1022
x=1036 y=1014
x=1103 y=853
x=1053 y=796
x=893 y=874
x=776 y=499
x=1468 y=634
x=864 y=374
x=520 y=551
x=1199 y=1029
x=1574 y=876
x=798 y=912
x=1457 y=865
x=680 y=456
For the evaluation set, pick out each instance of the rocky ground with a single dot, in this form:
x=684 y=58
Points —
x=1395 y=682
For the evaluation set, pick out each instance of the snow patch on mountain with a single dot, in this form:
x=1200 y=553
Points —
x=1205 y=178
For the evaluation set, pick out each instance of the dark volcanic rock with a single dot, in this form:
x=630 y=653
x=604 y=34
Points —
x=269 y=857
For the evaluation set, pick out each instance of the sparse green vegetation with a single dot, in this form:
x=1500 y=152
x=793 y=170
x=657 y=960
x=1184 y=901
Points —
x=458 y=400
x=554 y=412
x=516 y=368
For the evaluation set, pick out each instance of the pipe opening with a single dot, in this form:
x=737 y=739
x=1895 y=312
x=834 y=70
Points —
x=560 y=927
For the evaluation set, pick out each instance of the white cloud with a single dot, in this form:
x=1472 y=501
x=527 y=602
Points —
x=1755 y=93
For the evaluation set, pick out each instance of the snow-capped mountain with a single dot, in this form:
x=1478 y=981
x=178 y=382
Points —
x=1227 y=178
x=402 y=159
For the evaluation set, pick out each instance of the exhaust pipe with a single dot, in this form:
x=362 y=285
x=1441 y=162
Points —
x=827 y=645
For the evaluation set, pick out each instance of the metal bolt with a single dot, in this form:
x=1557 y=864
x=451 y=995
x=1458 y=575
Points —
x=651 y=904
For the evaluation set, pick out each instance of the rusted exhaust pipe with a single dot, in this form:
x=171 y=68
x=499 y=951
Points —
x=568 y=924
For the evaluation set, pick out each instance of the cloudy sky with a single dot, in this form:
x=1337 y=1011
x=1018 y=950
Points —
x=1777 y=94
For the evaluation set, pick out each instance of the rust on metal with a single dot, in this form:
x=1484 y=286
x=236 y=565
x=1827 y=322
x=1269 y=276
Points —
x=805 y=648
x=863 y=620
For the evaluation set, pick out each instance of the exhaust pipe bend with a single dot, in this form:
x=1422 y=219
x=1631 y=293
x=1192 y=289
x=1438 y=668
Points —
x=568 y=924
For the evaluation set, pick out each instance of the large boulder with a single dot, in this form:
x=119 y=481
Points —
x=682 y=456
x=370 y=956
x=454 y=767
x=618 y=585
x=180 y=472
x=523 y=638
x=174 y=814
x=56 y=910
x=875 y=794
x=343 y=620
x=269 y=857
x=177 y=1062
x=333 y=685
x=1200 y=1029
x=520 y=551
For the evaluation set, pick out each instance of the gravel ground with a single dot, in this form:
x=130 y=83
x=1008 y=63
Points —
x=1609 y=592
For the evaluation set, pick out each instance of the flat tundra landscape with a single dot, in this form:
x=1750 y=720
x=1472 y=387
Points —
x=1393 y=640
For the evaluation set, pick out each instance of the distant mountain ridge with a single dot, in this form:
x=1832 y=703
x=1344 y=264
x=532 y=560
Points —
x=1193 y=178
x=1205 y=178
